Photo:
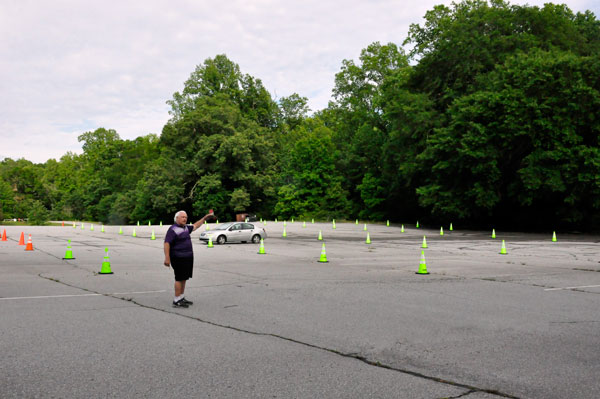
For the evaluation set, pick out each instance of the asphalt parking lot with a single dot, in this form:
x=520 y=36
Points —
x=481 y=325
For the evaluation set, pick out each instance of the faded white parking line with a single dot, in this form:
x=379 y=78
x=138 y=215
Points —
x=571 y=288
x=79 y=295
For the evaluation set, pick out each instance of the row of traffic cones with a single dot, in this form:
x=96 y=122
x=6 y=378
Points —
x=105 y=269
x=92 y=225
x=133 y=234
x=387 y=223
x=422 y=264
x=262 y=251
x=28 y=246
x=320 y=236
x=322 y=259
x=424 y=245
x=68 y=253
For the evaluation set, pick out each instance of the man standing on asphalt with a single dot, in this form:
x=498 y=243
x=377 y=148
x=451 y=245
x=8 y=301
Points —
x=180 y=255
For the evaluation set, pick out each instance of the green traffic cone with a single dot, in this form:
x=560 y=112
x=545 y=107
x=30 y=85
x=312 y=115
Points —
x=333 y=225
x=554 y=236
x=148 y=223
x=365 y=227
x=161 y=223
x=304 y=224
x=138 y=222
x=451 y=229
x=102 y=229
x=320 y=236
x=312 y=221
x=210 y=243
x=503 y=249
x=106 y=264
x=368 y=238
x=387 y=223
x=441 y=231
x=323 y=257
x=153 y=237
x=417 y=224
x=424 y=245
x=356 y=222
x=73 y=224
x=422 y=264
x=493 y=233
x=92 y=227
x=133 y=234
x=82 y=226
x=284 y=232
x=120 y=230
x=69 y=251
x=402 y=229
x=261 y=249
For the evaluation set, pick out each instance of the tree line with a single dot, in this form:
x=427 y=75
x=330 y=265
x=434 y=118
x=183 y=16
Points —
x=487 y=114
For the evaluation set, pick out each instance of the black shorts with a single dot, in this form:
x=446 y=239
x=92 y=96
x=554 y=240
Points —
x=183 y=268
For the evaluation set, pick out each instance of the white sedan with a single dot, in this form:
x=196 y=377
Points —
x=234 y=232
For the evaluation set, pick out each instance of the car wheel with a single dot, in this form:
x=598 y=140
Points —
x=256 y=238
x=221 y=240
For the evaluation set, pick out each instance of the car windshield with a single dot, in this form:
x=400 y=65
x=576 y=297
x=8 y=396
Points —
x=223 y=226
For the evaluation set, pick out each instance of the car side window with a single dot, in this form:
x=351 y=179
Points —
x=247 y=226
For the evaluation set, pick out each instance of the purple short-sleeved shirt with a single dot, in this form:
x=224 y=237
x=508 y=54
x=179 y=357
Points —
x=180 y=241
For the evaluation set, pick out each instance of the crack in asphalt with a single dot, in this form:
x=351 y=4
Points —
x=471 y=389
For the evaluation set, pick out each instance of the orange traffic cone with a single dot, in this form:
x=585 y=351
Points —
x=63 y=224
x=22 y=240
x=29 y=246
x=4 y=235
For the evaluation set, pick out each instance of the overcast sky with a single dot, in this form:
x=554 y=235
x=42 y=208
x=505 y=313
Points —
x=67 y=67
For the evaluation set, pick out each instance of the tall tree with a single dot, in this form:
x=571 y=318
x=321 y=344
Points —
x=221 y=76
x=222 y=155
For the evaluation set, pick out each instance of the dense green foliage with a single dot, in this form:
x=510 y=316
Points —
x=490 y=118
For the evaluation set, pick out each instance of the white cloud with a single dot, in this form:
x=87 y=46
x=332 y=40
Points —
x=67 y=67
